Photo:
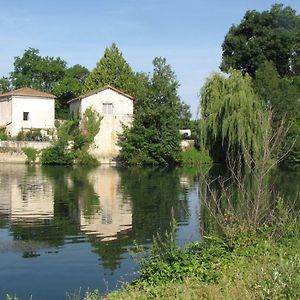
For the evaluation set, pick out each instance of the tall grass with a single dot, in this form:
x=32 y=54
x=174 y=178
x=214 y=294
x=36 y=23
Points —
x=194 y=157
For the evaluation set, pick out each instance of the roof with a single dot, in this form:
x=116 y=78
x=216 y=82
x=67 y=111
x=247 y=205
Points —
x=25 y=91
x=99 y=91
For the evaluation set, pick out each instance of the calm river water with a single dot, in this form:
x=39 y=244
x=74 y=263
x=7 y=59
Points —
x=68 y=229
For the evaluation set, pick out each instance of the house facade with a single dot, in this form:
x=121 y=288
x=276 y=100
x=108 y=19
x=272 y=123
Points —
x=116 y=108
x=26 y=109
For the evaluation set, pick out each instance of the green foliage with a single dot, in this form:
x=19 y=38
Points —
x=267 y=36
x=31 y=135
x=32 y=70
x=47 y=74
x=233 y=121
x=112 y=69
x=154 y=136
x=90 y=124
x=73 y=141
x=71 y=85
x=194 y=157
x=57 y=155
x=3 y=135
x=263 y=268
x=282 y=96
x=83 y=158
x=249 y=264
x=169 y=263
x=31 y=154
x=5 y=85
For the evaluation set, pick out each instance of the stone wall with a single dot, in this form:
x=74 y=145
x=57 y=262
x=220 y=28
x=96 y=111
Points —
x=11 y=151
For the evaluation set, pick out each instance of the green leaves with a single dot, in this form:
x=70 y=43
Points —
x=270 y=35
x=154 y=136
x=233 y=119
x=111 y=69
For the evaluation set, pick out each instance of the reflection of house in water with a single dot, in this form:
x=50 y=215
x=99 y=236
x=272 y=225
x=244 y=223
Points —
x=109 y=214
x=23 y=197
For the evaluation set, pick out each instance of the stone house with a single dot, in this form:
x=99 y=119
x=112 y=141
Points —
x=116 y=108
x=26 y=109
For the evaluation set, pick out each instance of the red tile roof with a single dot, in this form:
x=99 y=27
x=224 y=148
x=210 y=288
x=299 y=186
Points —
x=27 y=92
x=100 y=90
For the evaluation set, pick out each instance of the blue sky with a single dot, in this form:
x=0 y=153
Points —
x=189 y=33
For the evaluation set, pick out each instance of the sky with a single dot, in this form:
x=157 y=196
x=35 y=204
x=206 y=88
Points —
x=188 y=33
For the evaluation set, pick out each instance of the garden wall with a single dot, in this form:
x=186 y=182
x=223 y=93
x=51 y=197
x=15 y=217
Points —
x=11 y=151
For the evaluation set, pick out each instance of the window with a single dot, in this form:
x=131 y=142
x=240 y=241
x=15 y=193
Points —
x=107 y=108
x=25 y=116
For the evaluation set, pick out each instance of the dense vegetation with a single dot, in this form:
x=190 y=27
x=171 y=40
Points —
x=261 y=56
x=266 y=46
x=154 y=136
x=232 y=117
x=47 y=74
x=73 y=141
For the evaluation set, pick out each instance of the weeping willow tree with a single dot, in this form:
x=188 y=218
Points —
x=233 y=120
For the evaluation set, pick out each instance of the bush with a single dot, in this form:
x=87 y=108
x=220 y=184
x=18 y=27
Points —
x=56 y=155
x=32 y=135
x=31 y=154
x=193 y=157
x=3 y=135
x=83 y=158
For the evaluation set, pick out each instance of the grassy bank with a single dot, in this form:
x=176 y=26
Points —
x=248 y=264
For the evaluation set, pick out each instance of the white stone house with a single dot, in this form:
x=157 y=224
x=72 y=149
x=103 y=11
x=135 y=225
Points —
x=26 y=109
x=116 y=108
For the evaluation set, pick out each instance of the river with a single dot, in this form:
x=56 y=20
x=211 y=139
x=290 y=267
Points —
x=66 y=230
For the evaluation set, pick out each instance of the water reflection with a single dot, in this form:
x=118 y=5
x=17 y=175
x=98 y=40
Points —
x=84 y=221
x=112 y=212
x=25 y=195
x=49 y=203
x=76 y=225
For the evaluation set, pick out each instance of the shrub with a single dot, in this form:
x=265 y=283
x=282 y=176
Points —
x=3 y=134
x=83 y=158
x=192 y=157
x=31 y=154
x=31 y=135
x=56 y=155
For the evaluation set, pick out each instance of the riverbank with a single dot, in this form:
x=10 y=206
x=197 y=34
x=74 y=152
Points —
x=249 y=265
x=11 y=151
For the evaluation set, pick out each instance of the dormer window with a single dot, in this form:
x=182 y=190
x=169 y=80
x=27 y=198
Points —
x=107 y=109
x=25 y=116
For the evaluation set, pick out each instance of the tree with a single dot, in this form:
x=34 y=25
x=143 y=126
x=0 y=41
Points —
x=268 y=36
x=49 y=74
x=154 y=136
x=233 y=118
x=282 y=96
x=5 y=85
x=111 y=69
x=32 y=70
x=71 y=85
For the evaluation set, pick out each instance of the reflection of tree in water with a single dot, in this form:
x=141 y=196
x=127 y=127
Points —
x=287 y=183
x=151 y=194
x=154 y=193
x=68 y=184
x=244 y=199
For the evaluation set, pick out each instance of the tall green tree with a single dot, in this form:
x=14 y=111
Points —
x=282 y=97
x=280 y=94
x=35 y=71
x=71 y=85
x=111 y=69
x=267 y=36
x=48 y=74
x=154 y=136
x=232 y=118
x=5 y=85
